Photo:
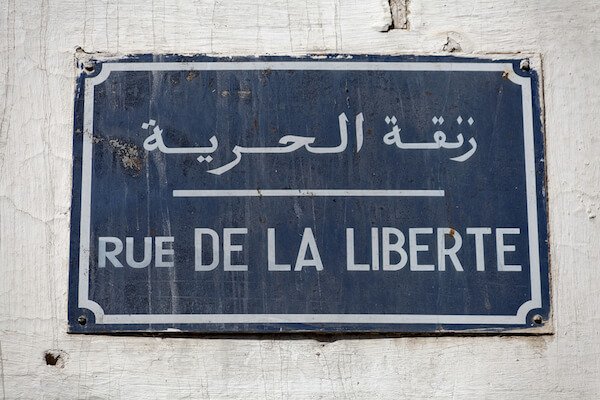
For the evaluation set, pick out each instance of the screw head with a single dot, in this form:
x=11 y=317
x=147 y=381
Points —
x=88 y=67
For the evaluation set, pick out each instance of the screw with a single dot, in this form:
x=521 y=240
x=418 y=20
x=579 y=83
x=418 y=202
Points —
x=82 y=320
x=88 y=67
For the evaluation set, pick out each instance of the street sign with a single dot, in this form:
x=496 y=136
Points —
x=329 y=194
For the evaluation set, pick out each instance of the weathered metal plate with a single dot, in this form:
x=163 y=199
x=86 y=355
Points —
x=363 y=194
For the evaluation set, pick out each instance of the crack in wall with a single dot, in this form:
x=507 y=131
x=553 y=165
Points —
x=395 y=15
x=399 y=12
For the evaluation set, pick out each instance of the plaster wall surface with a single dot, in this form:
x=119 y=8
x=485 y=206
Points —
x=37 y=74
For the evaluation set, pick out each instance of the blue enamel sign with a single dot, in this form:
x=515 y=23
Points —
x=337 y=194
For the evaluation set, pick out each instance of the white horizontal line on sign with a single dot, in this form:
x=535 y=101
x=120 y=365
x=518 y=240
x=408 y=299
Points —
x=308 y=193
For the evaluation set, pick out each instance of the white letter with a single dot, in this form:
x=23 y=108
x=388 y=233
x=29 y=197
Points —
x=415 y=248
x=273 y=266
x=374 y=248
x=350 y=265
x=147 y=253
x=387 y=247
x=229 y=248
x=501 y=248
x=308 y=240
x=161 y=251
x=111 y=255
x=451 y=252
x=479 y=252
x=199 y=266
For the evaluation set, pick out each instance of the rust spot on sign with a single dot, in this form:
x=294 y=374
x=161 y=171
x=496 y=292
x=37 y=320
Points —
x=191 y=75
x=129 y=155
x=244 y=94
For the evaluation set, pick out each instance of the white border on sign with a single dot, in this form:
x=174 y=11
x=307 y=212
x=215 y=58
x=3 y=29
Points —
x=86 y=189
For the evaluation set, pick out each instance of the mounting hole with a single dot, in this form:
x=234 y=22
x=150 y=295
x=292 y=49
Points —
x=51 y=358
x=55 y=358
x=537 y=319
x=525 y=66
x=82 y=320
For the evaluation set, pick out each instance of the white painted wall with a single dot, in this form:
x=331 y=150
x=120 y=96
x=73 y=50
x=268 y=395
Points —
x=37 y=44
